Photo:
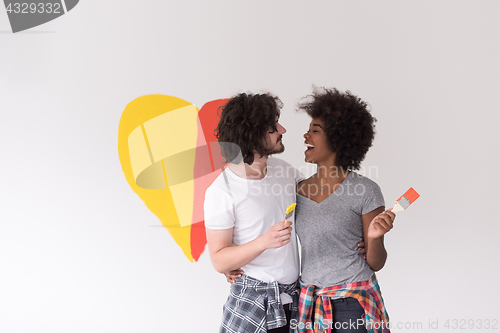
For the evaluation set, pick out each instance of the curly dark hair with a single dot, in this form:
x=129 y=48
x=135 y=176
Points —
x=245 y=121
x=350 y=128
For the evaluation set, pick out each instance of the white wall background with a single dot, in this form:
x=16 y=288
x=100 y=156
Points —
x=80 y=252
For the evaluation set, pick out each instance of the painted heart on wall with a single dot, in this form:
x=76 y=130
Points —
x=169 y=155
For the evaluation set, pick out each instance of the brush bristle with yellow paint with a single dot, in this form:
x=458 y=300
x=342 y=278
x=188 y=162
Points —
x=289 y=211
x=405 y=200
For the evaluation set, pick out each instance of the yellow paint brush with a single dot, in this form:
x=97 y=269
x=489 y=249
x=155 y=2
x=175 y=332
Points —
x=289 y=211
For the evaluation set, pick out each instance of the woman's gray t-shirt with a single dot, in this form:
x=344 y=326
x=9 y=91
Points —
x=329 y=233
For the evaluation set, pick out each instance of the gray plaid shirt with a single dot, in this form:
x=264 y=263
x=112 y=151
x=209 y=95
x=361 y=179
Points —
x=255 y=306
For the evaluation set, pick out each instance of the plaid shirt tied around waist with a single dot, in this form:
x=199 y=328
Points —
x=255 y=306
x=367 y=293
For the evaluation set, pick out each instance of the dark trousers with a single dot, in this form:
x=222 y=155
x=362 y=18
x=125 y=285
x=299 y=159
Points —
x=347 y=315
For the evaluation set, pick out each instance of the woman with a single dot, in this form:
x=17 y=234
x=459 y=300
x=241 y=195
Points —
x=336 y=209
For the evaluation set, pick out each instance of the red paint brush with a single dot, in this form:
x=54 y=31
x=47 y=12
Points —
x=405 y=200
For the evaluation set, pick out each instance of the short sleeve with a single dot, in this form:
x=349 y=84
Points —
x=373 y=197
x=218 y=209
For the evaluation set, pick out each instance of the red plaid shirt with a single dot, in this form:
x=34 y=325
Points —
x=367 y=293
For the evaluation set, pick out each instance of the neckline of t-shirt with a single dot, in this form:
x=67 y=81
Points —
x=235 y=176
x=328 y=197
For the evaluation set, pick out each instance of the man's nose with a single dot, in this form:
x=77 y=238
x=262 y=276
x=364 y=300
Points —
x=281 y=129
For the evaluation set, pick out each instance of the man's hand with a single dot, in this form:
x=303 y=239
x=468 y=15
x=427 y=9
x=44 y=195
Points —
x=277 y=235
x=381 y=224
x=231 y=276
x=226 y=257
x=362 y=250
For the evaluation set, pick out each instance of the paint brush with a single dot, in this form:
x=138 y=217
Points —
x=289 y=211
x=405 y=200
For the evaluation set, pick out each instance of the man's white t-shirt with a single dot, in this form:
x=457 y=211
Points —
x=250 y=207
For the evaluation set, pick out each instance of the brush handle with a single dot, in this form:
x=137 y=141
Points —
x=397 y=208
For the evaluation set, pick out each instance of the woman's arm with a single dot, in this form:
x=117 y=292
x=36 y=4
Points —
x=375 y=225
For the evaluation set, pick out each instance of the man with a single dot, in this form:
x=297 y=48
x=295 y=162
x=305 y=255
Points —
x=244 y=212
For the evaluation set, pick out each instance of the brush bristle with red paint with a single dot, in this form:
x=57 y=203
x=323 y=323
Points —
x=405 y=200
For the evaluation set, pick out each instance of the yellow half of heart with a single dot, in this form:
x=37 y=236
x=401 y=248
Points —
x=154 y=129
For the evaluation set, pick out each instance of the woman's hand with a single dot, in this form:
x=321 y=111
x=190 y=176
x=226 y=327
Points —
x=381 y=224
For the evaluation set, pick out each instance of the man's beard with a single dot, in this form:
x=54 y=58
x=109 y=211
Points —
x=278 y=149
